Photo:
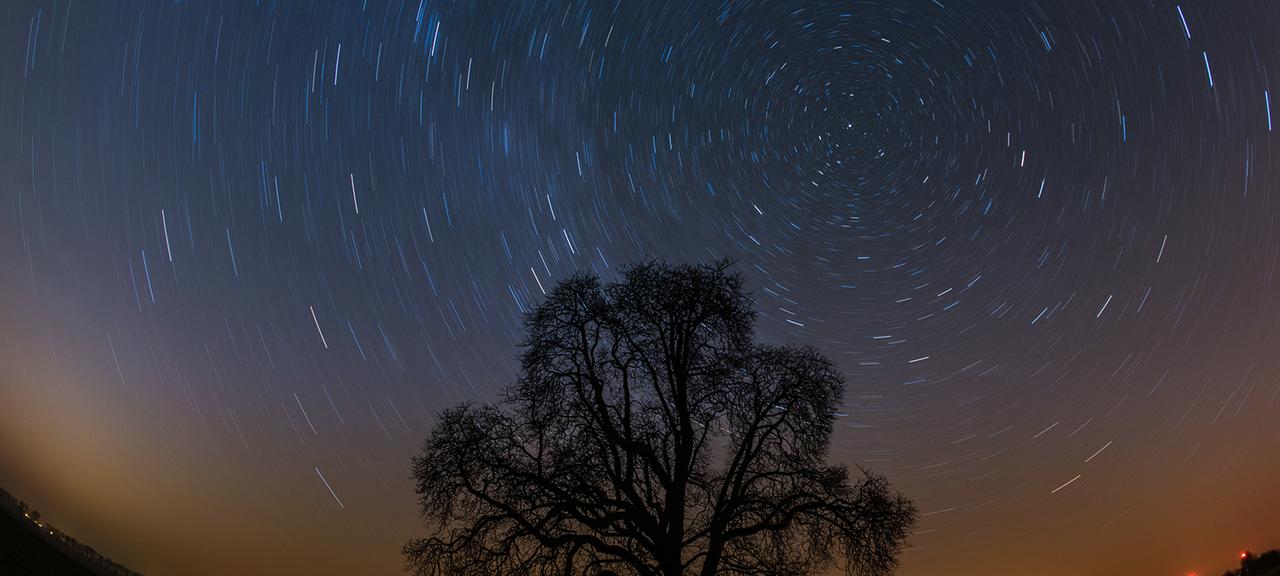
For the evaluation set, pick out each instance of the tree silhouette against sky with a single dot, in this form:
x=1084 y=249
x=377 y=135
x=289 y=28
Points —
x=647 y=434
x=1266 y=564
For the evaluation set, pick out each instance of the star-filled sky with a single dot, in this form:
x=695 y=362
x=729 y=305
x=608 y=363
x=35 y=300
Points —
x=248 y=250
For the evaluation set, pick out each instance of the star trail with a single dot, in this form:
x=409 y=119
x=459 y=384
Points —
x=251 y=248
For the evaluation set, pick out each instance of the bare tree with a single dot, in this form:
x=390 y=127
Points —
x=648 y=435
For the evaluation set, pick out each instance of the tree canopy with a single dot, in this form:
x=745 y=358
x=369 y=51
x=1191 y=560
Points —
x=648 y=434
x=1265 y=564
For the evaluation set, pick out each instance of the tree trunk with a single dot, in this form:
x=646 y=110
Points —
x=671 y=565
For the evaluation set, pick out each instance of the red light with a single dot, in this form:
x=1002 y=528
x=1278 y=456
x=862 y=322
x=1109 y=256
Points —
x=1244 y=555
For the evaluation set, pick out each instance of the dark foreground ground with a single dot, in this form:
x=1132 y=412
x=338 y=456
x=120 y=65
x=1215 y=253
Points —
x=28 y=547
x=23 y=551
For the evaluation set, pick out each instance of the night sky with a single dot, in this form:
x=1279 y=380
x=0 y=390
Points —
x=248 y=250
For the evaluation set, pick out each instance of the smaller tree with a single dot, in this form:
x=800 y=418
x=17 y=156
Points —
x=1265 y=564
x=647 y=435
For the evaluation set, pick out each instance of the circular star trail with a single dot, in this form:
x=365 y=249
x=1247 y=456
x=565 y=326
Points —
x=250 y=249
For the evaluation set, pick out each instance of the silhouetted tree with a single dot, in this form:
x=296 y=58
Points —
x=647 y=435
x=1265 y=564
